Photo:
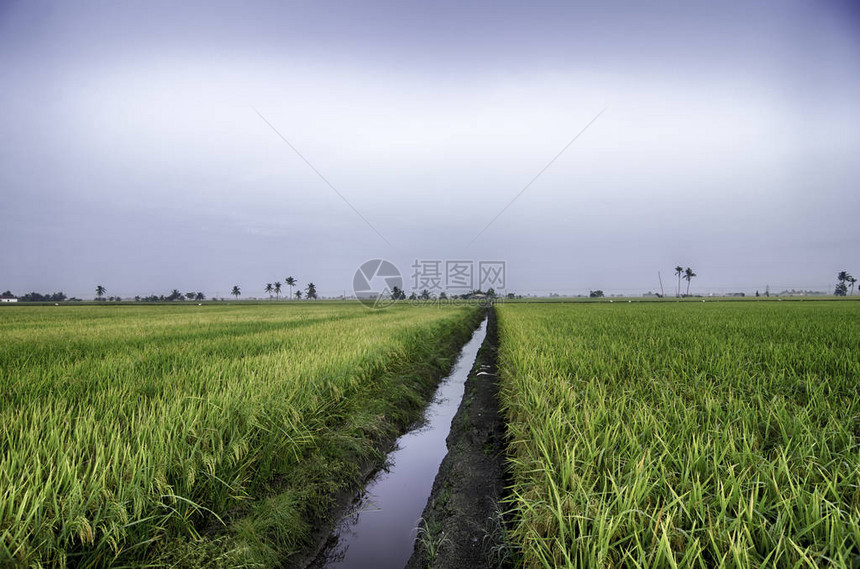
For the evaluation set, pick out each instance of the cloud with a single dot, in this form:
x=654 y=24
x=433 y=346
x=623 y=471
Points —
x=726 y=141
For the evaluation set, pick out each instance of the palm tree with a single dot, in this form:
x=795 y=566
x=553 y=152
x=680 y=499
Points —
x=236 y=291
x=277 y=290
x=100 y=291
x=299 y=294
x=291 y=282
x=851 y=280
x=679 y=270
x=312 y=291
x=842 y=288
x=269 y=289
x=688 y=276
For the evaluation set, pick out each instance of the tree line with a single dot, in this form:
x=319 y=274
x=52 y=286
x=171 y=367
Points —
x=38 y=297
x=845 y=283
x=399 y=294
x=174 y=296
x=310 y=292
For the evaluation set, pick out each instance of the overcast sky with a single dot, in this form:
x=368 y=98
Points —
x=133 y=155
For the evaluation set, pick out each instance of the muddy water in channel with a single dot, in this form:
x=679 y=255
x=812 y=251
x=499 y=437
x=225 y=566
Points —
x=382 y=527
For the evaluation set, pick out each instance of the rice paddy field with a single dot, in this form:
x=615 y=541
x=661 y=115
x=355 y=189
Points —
x=210 y=435
x=683 y=434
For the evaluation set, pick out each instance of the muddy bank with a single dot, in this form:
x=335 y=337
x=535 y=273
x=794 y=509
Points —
x=462 y=524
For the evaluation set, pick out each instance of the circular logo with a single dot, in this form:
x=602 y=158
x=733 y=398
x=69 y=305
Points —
x=374 y=283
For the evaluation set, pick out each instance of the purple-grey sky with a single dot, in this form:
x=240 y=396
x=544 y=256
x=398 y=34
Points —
x=132 y=154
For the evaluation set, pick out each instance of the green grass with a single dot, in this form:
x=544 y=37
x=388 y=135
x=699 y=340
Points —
x=199 y=435
x=684 y=434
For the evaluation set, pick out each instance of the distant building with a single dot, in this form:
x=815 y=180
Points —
x=8 y=297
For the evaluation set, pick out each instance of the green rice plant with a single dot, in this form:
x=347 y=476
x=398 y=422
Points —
x=431 y=538
x=682 y=434
x=130 y=435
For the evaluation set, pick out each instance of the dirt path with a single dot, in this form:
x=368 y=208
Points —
x=462 y=525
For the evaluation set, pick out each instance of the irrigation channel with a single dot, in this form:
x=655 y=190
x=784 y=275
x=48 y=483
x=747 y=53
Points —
x=381 y=527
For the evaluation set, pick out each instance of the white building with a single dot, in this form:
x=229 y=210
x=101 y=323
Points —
x=8 y=299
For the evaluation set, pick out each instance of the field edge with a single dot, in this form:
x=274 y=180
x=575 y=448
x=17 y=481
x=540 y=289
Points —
x=323 y=486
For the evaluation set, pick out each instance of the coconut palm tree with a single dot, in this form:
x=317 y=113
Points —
x=679 y=270
x=851 y=280
x=236 y=291
x=277 y=289
x=299 y=294
x=291 y=282
x=269 y=289
x=312 y=291
x=688 y=276
x=842 y=288
x=100 y=291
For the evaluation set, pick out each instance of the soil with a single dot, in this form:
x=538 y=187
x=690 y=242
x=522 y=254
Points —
x=463 y=525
